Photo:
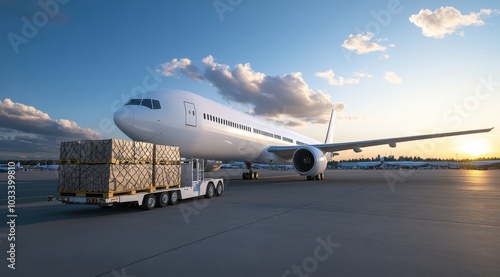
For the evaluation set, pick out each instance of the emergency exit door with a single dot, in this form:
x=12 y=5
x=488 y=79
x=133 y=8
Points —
x=190 y=114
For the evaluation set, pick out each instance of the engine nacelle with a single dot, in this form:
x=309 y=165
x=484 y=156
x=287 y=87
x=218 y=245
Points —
x=309 y=161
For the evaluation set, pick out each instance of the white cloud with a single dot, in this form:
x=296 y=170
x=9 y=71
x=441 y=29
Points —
x=362 y=44
x=183 y=65
x=329 y=75
x=31 y=133
x=447 y=20
x=392 y=77
x=385 y=56
x=361 y=74
x=285 y=99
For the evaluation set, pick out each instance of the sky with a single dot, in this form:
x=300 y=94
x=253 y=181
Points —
x=389 y=68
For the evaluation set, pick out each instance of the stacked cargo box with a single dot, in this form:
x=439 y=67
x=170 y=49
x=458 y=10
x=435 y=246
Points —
x=115 y=166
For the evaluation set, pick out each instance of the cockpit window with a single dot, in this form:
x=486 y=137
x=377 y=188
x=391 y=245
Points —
x=133 y=102
x=156 y=104
x=150 y=103
x=147 y=103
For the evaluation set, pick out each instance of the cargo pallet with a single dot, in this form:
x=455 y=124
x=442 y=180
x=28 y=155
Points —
x=192 y=184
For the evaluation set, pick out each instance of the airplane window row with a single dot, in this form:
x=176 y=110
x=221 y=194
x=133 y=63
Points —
x=150 y=103
x=226 y=122
x=246 y=128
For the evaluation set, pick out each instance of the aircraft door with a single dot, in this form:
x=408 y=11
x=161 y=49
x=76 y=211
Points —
x=190 y=114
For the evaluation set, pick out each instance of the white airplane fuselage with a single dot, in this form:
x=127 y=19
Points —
x=205 y=129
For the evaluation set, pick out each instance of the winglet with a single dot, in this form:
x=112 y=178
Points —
x=329 y=132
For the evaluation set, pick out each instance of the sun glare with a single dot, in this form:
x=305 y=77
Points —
x=475 y=148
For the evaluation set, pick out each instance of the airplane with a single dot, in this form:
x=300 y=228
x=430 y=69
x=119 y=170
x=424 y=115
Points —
x=47 y=166
x=206 y=129
x=6 y=168
x=406 y=164
x=482 y=164
x=235 y=165
x=370 y=165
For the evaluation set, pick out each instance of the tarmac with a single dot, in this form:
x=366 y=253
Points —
x=353 y=223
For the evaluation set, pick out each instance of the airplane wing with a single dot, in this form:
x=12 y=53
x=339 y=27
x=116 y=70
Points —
x=286 y=152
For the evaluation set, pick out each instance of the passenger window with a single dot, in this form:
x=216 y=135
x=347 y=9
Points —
x=156 y=104
x=133 y=102
x=147 y=103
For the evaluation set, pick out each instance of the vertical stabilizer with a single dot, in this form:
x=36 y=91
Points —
x=329 y=132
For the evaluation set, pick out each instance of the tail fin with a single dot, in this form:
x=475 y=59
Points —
x=18 y=165
x=329 y=132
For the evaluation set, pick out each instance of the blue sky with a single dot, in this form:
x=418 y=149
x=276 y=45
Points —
x=393 y=68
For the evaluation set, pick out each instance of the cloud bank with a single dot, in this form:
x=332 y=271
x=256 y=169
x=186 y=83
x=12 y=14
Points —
x=285 y=99
x=447 y=20
x=28 y=133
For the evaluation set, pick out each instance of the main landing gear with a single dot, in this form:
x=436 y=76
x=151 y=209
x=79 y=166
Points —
x=320 y=176
x=250 y=174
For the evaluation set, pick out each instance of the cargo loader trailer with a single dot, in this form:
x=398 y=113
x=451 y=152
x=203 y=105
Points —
x=192 y=184
x=118 y=172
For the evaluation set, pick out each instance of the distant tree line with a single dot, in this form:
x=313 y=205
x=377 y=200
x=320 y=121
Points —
x=389 y=158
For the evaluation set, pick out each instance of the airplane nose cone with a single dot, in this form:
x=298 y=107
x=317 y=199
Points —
x=124 y=118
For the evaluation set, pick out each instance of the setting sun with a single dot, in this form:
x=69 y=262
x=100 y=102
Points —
x=475 y=147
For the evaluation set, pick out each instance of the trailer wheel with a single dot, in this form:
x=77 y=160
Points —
x=219 y=190
x=210 y=190
x=174 y=197
x=149 y=202
x=162 y=199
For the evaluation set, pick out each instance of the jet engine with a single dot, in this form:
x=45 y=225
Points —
x=309 y=161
